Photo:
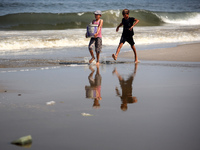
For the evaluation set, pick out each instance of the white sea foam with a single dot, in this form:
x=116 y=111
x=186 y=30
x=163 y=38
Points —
x=190 y=19
x=80 y=14
x=7 y=70
x=114 y=12
x=30 y=40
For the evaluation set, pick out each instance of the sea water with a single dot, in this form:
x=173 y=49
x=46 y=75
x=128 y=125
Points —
x=55 y=29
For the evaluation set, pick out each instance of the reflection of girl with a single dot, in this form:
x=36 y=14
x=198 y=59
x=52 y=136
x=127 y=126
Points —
x=94 y=90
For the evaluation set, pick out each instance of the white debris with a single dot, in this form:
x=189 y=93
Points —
x=25 y=140
x=86 y=114
x=50 y=103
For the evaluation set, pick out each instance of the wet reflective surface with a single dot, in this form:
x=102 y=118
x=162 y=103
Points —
x=119 y=106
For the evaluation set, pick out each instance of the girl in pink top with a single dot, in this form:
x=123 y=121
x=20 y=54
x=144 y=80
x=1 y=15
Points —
x=97 y=39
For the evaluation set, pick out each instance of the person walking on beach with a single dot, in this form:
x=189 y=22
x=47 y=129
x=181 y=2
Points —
x=97 y=39
x=128 y=23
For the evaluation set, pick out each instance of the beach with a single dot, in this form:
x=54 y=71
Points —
x=186 y=53
x=51 y=98
x=51 y=103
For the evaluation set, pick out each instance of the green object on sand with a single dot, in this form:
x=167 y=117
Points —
x=25 y=140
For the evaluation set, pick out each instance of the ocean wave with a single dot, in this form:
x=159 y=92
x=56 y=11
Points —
x=60 y=21
x=183 y=18
x=53 y=39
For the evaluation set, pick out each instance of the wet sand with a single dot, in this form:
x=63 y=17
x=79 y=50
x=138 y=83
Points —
x=150 y=105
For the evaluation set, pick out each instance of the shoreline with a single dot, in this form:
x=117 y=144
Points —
x=185 y=52
x=180 y=53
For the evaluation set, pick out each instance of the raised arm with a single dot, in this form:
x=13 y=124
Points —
x=136 y=22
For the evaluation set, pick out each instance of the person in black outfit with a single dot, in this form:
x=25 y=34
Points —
x=128 y=23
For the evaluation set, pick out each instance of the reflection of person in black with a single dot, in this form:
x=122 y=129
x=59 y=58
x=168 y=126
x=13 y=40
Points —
x=126 y=86
x=94 y=90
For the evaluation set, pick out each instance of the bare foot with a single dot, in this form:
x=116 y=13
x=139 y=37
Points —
x=137 y=61
x=91 y=60
x=97 y=63
x=114 y=57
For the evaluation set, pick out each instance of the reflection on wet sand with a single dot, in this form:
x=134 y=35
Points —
x=126 y=88
x=94 y=90
x=2 y=89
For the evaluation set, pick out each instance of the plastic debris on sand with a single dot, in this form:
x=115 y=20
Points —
x=24 y=141
x=86 y=114
x=50 y=103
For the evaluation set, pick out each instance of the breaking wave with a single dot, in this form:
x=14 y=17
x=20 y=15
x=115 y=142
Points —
x=26 y=40
x=61 y=21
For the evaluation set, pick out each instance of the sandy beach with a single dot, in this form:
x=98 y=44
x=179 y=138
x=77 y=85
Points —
x=187 y=53
x=52 y=99
x=150 y=105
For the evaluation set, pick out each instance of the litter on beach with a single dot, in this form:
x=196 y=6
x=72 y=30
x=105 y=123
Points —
x=86 y=114
x=50 y=103
x=23 y=141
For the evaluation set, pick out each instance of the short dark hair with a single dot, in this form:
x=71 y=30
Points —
x=125 y=11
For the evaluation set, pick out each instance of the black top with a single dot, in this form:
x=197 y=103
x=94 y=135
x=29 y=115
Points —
x=126 y=25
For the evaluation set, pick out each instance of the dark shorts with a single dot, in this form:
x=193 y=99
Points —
x=97 y=42
x=127 y=39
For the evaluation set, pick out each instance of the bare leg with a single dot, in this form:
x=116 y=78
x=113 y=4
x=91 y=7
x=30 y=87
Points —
x=93 y=58
x=117 y=52
x=92 y=72
x=98 y=55
x=118 y=75
x=134 y=50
